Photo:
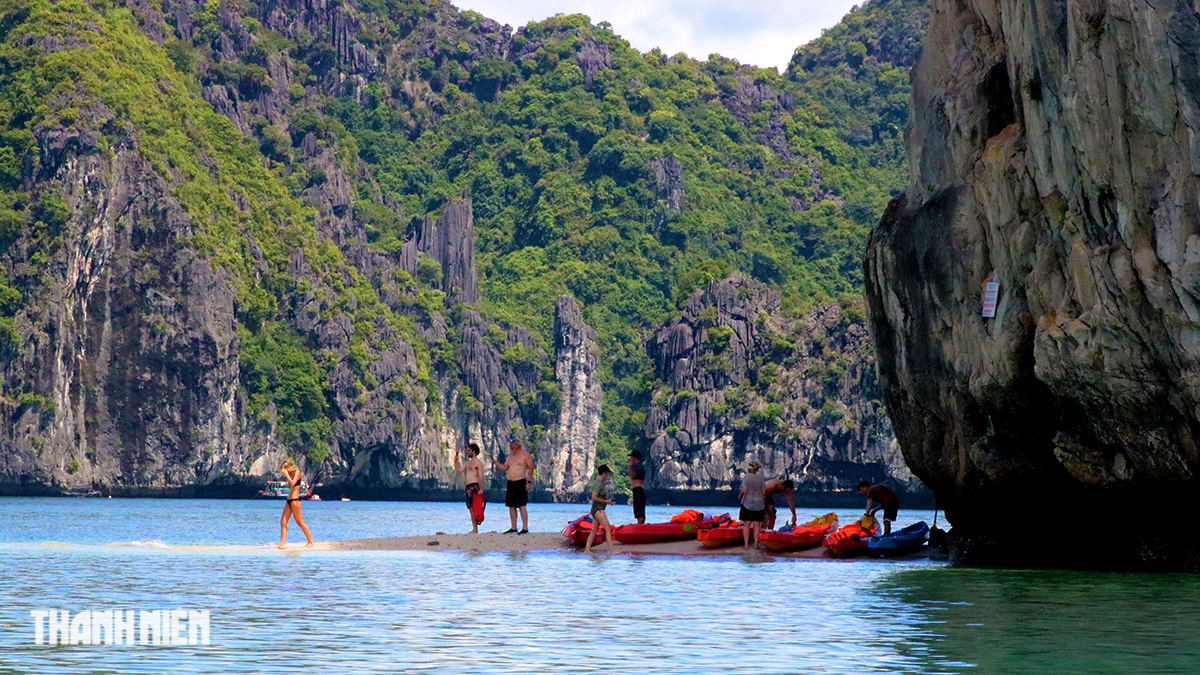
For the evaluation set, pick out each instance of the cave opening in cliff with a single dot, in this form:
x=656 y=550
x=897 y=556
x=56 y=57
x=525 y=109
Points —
x=1001 y=111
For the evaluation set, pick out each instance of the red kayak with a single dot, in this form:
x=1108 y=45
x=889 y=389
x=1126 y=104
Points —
x=848 y=541
x=577 y=531
x=720 y=536
x=652 y=533
x=798 y=539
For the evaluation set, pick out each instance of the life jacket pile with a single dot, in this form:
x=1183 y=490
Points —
x=848 y=531
x=724 y=520
x=688 y=516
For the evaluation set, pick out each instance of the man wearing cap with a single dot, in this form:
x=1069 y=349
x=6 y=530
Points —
x=637 y=477
x=519 y=468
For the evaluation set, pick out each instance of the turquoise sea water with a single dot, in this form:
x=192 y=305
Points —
x=559 y=612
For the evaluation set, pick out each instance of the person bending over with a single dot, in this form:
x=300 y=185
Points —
x=519 y=468
x=880 y=497
x=778 y=487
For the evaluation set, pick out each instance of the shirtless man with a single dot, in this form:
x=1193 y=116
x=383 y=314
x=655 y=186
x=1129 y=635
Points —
x=637 y=477
x=778 y=487
x=473 y=477
x=519 y=468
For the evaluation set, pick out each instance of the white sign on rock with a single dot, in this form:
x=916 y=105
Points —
x=991 y=290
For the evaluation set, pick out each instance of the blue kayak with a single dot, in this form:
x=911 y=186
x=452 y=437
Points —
x=900 y=542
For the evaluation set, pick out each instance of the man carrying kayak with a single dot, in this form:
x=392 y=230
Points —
x=778 y=487
x=880 y=497
x=637 y=477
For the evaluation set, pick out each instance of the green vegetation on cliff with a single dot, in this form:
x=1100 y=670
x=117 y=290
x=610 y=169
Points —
x=628 y=180
x=89 y=75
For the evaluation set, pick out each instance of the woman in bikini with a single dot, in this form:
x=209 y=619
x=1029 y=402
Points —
x=292 y=507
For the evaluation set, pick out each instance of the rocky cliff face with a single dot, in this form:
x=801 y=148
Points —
x=236 y=232
x=129 y=365
x=1053 y=151
x=576 y=359
x=739 y=379
x=155 y=341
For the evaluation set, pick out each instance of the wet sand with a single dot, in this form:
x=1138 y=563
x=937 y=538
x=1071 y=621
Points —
x=549 y=541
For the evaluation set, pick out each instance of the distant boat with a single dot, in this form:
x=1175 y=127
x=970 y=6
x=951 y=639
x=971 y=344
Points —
x=279 y=489
x=82 y=492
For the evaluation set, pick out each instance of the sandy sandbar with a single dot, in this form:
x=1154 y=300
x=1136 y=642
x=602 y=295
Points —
x=548 y=541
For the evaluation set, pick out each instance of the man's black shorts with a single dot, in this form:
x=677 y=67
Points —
x=889 y=510
x=639 y=503
x=516 y=494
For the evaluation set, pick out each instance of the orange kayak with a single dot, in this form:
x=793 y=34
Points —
x=577 y=531
x=848 y=541
x=797 y=539
x=720 y=536
x=651 y=533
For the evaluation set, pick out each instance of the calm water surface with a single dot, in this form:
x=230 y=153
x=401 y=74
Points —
x=352 y=612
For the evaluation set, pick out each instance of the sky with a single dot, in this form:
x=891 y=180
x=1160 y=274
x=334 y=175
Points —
x=759 y=32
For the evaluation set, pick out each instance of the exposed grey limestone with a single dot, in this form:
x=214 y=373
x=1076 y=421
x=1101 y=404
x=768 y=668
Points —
x=577 y=358
x=1053 y=150
x=738 y=379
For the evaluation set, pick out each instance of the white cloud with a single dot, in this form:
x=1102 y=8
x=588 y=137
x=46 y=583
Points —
x=760 y=32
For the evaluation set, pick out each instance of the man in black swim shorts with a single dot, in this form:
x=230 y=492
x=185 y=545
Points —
x=519 y=468
x=637 y=477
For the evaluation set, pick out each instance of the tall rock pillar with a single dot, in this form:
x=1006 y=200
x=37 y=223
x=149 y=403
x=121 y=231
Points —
x=576 y=359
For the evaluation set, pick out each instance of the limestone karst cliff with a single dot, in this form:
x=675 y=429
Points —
x=577 y=358
x=1053 y=150
x=740 y=379
x=337 y=230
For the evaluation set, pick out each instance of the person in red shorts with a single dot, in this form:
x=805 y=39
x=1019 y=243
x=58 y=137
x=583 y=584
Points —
x=473 y=478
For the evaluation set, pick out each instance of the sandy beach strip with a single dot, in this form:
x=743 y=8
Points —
x=492 y=542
